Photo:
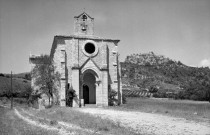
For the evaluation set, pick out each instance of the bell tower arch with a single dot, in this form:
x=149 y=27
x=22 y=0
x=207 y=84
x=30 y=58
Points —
x=83 y=24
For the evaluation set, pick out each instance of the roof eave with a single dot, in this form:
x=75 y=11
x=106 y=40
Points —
x=87 y=37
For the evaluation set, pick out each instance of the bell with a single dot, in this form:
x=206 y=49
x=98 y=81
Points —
x=83 y=28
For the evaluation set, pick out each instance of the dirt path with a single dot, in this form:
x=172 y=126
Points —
x=41 y=123
x=11 y=124
x=147 y=123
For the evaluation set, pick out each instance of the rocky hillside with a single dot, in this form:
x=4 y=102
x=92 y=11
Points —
x=158 y=73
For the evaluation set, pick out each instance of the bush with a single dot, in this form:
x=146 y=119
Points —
x=20 y=100
x=194 y=97
x=4 y=100
x=71 y=93
x=27 y=76
x=25 y=81
x=153 y=89
x=33 y=100
x=160 y=95
x=180 y=95
x=53 y=122
x=112 y=97
x=48 y=106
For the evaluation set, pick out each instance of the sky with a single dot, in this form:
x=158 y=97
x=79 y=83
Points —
x=178 y=29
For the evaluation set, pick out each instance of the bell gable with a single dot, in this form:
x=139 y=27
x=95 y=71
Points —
x=83 y=24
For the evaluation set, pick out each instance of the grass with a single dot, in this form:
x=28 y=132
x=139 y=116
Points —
x=83 y=120
x=19 y=85
x=70 y=115
x=192 y=110
x=16 y=101
x=10 y=124
x=56 y=114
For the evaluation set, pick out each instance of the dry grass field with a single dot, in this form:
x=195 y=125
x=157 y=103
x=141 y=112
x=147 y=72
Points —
x=190 y=110
x=86 y=121
x=138 y=116
x=10 y=124
x=74 y=122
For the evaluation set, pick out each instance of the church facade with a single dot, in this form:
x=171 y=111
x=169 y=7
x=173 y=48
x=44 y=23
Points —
x=88 y=64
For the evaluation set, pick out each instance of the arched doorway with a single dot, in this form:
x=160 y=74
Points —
x=89 y=88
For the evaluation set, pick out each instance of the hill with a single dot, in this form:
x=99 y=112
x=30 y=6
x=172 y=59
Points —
x=158 y=73
x=21 y=87
x=25 y=75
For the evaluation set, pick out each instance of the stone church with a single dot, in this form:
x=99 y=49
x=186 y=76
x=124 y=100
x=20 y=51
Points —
x=87 y=63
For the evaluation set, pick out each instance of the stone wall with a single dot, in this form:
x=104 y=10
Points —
x=113 y=65
x=59 y=61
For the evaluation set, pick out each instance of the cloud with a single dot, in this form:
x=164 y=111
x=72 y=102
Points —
x=205 y=63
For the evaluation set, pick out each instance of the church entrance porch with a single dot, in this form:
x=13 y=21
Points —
x=89 y=88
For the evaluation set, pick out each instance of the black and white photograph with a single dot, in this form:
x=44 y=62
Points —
x=104 y=67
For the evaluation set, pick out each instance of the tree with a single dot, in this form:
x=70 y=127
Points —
x=45 y=77
x=28 y=91
x=27 y=76
x=144 y=83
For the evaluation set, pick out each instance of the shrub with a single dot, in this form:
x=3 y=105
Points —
x=180 y=95
x=25 y=81
x=20 y=100
x=71 y=93
x=147 y=95
x=33 y=100
x=194 y=97
x=27 y=76
x=160 y=95
x=153 y=89
x=112 y=97
x=53 y=122
x=4 y=100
